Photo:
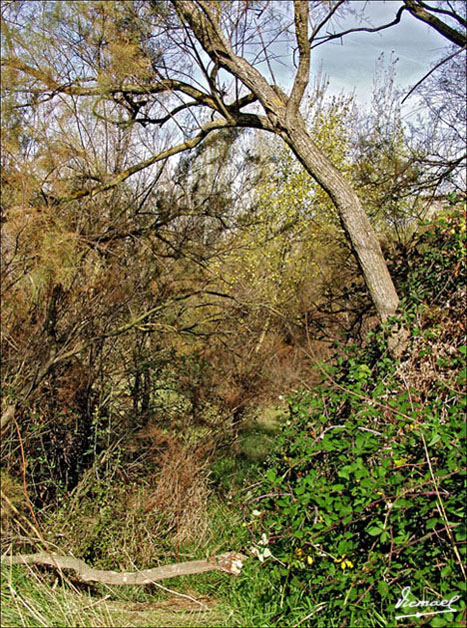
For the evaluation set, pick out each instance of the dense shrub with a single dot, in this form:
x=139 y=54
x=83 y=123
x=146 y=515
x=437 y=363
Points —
x=366 y=493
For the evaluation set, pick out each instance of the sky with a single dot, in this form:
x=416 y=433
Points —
x=350 y=63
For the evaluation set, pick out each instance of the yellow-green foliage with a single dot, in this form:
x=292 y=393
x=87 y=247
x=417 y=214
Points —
x=284 y=245
x=331 y=129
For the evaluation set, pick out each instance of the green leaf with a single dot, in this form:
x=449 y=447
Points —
x=461 y=533
x=434 y=439
x=385 y=536
x=345 y=471
x=338 y=487
x=442 y=620
x=271 y=475
x=374 y=531
x=383 y=588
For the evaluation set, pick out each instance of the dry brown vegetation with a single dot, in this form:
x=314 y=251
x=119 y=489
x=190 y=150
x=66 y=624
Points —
x=156 y=310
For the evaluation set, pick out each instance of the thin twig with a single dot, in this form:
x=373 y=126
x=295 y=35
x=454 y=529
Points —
x=441 y=508
x=319 y=608
x=438 y=65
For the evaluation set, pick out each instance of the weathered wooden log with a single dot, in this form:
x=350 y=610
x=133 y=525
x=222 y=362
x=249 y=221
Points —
x=230 y=562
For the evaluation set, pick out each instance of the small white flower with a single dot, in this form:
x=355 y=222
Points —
x=262 y=553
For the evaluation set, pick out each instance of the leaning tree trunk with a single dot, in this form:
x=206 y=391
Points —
x=283 y=118
x=361 y=235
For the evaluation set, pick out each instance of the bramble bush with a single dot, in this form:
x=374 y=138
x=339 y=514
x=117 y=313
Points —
x=365 y=494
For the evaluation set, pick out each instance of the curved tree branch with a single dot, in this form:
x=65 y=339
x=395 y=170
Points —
x=417 y=9
x=325 y=38
x=75 y=89
x=174 y=150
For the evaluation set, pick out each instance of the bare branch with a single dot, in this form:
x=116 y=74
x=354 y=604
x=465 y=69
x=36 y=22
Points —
x=301 y=8
x=326 y=19
x=330 y=36
x=450 y=13
x=174 y=150
x=438 y=65
x=209 y=34
x=417 y=10
x=165 y=85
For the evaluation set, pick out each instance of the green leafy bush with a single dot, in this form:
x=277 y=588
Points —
x=366 y=495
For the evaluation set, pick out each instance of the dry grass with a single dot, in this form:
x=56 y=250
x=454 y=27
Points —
x=425 y=367
x=12 y=498
x=27 y=599
x=181 y=491
x=137 y=519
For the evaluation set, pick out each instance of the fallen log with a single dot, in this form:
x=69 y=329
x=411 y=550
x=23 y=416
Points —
x=230 y=562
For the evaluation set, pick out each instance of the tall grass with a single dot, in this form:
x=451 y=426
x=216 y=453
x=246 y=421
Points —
x=32 y=599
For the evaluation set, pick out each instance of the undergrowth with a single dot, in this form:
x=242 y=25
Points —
x=351 y=498
x=365 y=496
x=31 y=598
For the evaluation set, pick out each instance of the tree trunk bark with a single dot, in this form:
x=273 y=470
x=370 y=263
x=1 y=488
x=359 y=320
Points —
x=284 y=119
x=361 y=235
